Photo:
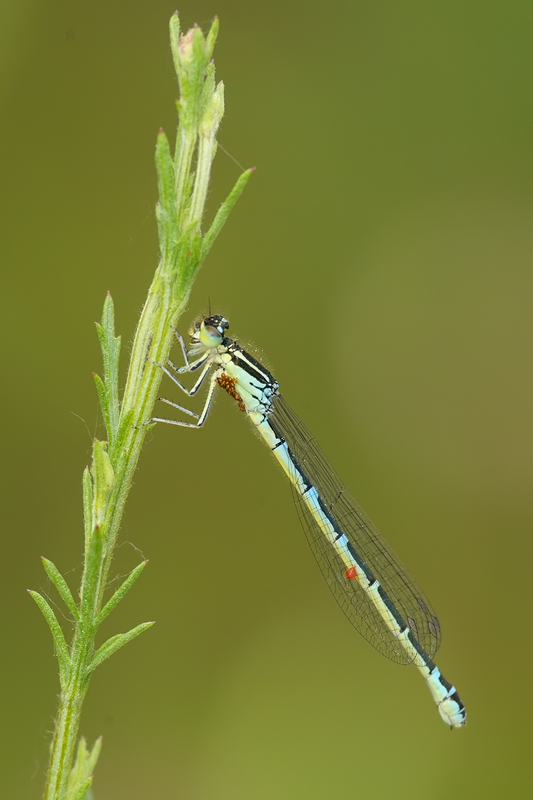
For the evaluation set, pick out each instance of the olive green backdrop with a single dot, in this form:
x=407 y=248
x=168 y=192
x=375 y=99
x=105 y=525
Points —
x=381 y=260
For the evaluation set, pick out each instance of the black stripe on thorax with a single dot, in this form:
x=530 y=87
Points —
x=248 y=364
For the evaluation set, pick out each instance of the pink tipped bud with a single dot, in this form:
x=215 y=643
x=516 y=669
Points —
x=185 y=46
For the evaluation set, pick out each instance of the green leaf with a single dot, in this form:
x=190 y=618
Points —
x=80 y=792
x=208 y=90
x=166 y=212
x=93 y=756
x=87 y=502
x=115 y=643
x=104 y=478
x=103 y=400
x=80 y=777
x=59 y=639
x=174 y=26
x=224 y=211
x=212 y=111
x=111 y=374
x=211 y=39
x=120 y=593
x=110 y=345
x=61 y=586
x=124 y=431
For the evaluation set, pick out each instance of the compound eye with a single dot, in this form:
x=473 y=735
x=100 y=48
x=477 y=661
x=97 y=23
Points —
x=210 y=336
x=212 y=331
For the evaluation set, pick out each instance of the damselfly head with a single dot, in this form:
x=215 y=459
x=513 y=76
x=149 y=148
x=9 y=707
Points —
x=216 y=321
x=210 y=331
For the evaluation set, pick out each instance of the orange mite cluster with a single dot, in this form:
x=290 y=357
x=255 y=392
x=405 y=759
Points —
x=228 y=384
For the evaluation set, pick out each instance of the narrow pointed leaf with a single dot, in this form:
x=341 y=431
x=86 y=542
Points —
x=224 y=212
x=104 y=346
x=59 y=639
x=211 y=39
x=120 y=593
x=80 y=765
x=111 y=372
x=81 y=773
x=81 y=792
x=167 y=205
x=93 y=756
x=110 y=345
x=174 y=26
x=87 y=501
x=61 y=586
x=103 y=479
x=104 y=403
x=124 y=431
x=115 y=643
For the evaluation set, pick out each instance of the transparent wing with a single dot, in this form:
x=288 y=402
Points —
x=375 y=555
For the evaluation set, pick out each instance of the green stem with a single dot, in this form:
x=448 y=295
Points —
x=154 y=335
x=182 y=197
x=67 y=723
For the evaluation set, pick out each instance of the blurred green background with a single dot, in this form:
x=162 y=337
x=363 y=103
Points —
x=381 y=259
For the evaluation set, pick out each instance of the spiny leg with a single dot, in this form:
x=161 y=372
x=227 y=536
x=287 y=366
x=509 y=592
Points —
x=181 y=340
x=197 y=385
x=201 y=418
x=180 y=408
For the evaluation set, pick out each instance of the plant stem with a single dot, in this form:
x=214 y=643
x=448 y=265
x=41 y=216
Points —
x=182 y=196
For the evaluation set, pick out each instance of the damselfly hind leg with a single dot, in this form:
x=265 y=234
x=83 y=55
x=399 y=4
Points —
x=201 y=418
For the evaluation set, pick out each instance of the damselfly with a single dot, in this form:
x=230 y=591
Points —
x=368 y=580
